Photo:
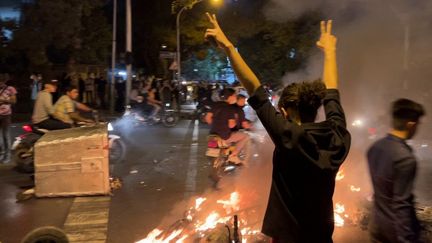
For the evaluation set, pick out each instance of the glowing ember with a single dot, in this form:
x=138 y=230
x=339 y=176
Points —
x=339 y=209
x=354 y=189
x=340 y=175
x=232 y=204
x=211 y=221
x=151 y=237
x=181 y=240
x=198 y=202
x=339 y=221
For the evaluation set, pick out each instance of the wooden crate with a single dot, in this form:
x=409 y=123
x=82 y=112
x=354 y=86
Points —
x=72 y=162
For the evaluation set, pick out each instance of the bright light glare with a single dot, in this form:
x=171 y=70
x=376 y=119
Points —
x=357 y=123
x=110 y=127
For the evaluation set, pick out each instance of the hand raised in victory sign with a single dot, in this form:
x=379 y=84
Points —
x=216 y=33
x=327 y=41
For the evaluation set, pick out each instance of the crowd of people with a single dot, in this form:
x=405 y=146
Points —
x=308 y=154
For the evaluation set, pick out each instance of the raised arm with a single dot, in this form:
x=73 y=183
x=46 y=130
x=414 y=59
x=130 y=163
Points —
x=246 y=76
x=327 y=43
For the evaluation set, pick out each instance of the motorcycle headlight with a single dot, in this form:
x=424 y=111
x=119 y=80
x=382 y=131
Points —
x=110 y=127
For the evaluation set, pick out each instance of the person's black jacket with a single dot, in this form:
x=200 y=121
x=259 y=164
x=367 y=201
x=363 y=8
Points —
x=306 y=160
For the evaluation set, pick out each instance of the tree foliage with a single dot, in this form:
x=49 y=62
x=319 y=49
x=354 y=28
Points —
x=270 y=48
x=63 y=31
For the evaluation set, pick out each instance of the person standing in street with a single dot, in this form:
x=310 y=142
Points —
x=307 y=154
x=7 y=98
x=392 y=167
x=35 y=87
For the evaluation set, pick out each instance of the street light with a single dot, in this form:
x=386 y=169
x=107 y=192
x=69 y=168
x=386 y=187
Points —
x=188 y=6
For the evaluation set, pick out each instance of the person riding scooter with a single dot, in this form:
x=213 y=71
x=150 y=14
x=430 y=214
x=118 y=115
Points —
x=222 y=118
x=44 y=109
x=65 y=109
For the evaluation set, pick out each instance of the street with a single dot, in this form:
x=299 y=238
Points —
x=164 y=172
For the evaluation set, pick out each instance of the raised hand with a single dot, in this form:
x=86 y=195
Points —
x=327 y=41
x=216 y=33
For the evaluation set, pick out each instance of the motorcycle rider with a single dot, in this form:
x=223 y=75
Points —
x=65 y=109
x=222 y=118
x=43 y=109
x=242 y=122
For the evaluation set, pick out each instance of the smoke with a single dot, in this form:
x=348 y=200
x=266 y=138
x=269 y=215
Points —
x=382 y=48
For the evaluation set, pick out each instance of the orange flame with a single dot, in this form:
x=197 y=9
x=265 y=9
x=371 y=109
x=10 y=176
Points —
x=354 y=189
x=338 y=210
x=340 y=175
x=231 y=204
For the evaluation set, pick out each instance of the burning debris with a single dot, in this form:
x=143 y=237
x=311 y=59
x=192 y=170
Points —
x=220 y=224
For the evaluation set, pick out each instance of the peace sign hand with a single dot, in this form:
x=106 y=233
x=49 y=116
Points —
x=216 y=33
x=327 y=41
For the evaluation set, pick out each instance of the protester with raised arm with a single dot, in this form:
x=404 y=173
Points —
x=307 y=155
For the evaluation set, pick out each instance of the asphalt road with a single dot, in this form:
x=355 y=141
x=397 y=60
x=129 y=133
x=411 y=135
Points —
x=164 y=171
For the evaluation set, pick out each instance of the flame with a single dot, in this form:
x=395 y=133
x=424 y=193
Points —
x=231 y=204
x=195 y=226
x=199 y=201
x=340 y=175
x=151 y=237
x=354 y=189
x=211 y=221
x=339 y=209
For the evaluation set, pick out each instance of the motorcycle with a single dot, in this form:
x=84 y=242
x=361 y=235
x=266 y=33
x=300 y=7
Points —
x=218 y=152
x=23 y=147
x=168 y=116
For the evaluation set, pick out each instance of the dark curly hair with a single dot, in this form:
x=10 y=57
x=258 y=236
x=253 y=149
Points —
x=305 y=97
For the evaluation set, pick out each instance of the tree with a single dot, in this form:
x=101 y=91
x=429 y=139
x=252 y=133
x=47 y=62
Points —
x=270 y=48
x=63 y=32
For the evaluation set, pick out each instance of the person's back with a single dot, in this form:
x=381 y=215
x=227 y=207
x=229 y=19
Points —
x=42 y=108
x=307 y=155
x=222 y=113
x=305 y=163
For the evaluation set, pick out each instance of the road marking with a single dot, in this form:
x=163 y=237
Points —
x=88 y=219
x=192 y=167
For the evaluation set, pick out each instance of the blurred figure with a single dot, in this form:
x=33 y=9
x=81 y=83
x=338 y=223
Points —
x=90 y=89
x=44 y=109
x=101 y=84
x=392 y=167
x=120 y=87
x=222 y=119
x=35 y=87
x=7 y=98
x=242 y=122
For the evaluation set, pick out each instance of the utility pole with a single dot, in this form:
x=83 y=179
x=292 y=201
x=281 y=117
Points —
x=113 y=57
x=128 y=50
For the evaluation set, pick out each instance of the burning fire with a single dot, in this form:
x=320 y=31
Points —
x=340 y=175
x=195 y=225
x=340 y=214
x=206 y=215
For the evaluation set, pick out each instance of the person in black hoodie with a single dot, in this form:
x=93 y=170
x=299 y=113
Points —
x=307 y=155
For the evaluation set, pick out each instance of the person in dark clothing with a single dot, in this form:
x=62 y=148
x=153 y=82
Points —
x=222 y=118
x=392 y=167
x=242 y=122
x=101 y=84
x=81 y=88
x=307 y=155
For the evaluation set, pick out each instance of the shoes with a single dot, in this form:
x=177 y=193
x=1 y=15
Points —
x=235 y=160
